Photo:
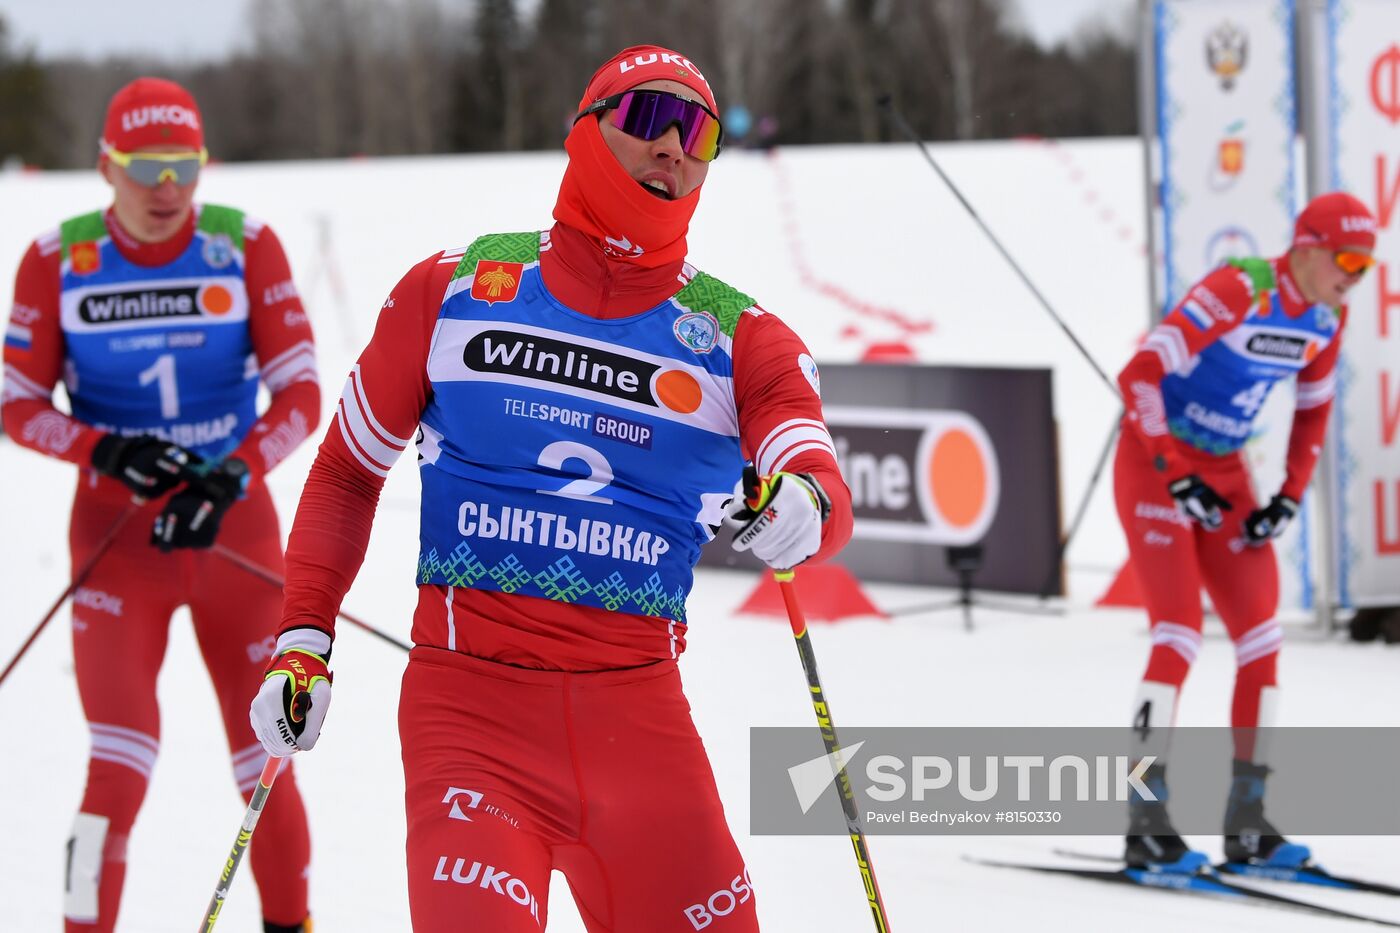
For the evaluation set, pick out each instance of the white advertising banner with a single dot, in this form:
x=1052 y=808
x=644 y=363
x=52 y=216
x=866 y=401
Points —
x=1226 y=122
x=1224 y=161
x=1364 y=111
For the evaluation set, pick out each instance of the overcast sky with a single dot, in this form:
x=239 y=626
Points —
x=193 y=29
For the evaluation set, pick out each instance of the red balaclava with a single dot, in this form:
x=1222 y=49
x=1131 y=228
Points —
x=1335 y=221
x=598 y=197
x=153 y=112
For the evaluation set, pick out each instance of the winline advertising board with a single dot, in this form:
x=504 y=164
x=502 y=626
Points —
x=940 y=457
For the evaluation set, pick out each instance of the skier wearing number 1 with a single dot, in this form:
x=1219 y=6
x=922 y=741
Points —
x=162 y=316
x=1192 y=394
x=583 y=401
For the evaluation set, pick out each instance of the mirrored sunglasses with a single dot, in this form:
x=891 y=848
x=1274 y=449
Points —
x=152 y=168
x=648 y=114
x=1352 y=262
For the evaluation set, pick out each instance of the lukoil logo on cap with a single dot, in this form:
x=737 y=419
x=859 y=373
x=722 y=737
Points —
x=155 y=115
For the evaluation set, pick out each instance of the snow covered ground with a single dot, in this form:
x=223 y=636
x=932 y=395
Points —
x=873 y=221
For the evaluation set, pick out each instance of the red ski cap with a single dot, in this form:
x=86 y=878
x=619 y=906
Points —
x=1335 y=221
x=153 y=112
x=640 y=64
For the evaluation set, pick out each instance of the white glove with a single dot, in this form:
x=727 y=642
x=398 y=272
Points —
x=295 y=694
x=780 y=517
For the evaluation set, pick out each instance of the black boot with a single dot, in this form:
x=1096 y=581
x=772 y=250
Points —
x=1152 y=841
x=303 y=927
x=1249 y=837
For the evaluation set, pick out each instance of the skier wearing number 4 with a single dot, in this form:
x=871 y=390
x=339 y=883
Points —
x=1183 y=492
x=583 y=401
x=162 y=316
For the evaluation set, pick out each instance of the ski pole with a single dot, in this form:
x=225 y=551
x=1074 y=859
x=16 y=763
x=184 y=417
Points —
x=268 y=576
x=82 y=574
x=833 y=748
x=887 y=103
x=240 y=845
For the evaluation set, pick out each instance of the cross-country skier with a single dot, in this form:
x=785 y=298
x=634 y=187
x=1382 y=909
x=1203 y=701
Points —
x=161 y=316
x=583 y=401
x=1183 y=491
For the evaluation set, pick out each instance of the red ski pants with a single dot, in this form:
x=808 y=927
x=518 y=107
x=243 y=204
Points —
x=1173 y=558
x=511 y=773
x=121 y=620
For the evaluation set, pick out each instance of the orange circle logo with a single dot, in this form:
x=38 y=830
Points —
x=216 y=300
x=958 y=477
x=678 y=391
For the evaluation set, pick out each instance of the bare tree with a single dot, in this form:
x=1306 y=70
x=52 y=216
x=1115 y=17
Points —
x=338 y=77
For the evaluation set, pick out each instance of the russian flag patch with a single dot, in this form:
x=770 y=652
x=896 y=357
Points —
x=1198 y=315
x=18 y=336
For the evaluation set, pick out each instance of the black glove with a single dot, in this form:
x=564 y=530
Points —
x=191 y=518
x=1270 y=521
x=1201 y=503
x=148 y=466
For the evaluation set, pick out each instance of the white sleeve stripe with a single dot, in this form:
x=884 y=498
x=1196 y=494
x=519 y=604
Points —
x=365 y=462
x=304 y=360
x=301 y=346
x=1306 y=402
x=358 y=383
x=800 y=448
x=1313 y=394
x=304 y=374
x=1168 y=343
x=365 y=439
x=806 y=425
x=778 y=448
x=17 y=388
x=296 y=369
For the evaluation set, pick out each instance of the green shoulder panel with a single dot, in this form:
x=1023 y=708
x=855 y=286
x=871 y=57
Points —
x=1260 y=272
x=500 y=247
x=216 y=219
x=81 y=229
x=707 y=293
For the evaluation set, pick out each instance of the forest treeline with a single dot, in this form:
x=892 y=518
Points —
x=326 y=78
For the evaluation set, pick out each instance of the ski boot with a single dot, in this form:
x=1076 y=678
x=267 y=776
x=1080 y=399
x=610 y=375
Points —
x=1251 y=839
x=1152 y=842
x=303 y=927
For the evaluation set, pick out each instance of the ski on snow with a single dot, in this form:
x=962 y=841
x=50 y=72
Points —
x=1308 y=874
x=1208 y=885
